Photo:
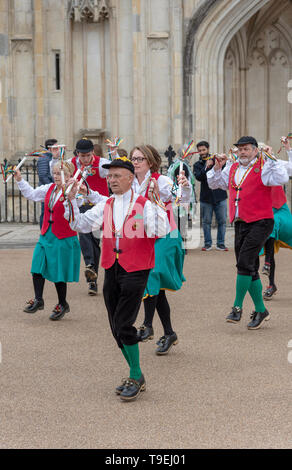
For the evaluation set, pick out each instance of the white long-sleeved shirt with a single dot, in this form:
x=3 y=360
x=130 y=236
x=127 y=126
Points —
x=274 y=173
x=38 y=194
x=164 y=184
x=155 y=218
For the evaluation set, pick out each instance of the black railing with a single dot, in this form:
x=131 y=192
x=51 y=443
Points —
x=16 y=207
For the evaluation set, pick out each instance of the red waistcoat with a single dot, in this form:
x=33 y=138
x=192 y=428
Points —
x=278 y=197
x=168 y=205
x=95 y=182
x=136 y=249
x=254 y=198
x=60 y=226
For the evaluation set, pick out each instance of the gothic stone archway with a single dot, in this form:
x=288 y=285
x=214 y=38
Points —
x=209 y=33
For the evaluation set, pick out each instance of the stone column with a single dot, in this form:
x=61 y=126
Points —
x=39 y=71
x=138 y=71
x=177 y=72
x=5 y=125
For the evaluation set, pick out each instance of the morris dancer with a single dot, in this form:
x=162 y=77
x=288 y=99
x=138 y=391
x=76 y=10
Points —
x=130 y=224
x=56 y=256
x=282 y=232
x=169 y=252
x=97 y=182
x=249 y=181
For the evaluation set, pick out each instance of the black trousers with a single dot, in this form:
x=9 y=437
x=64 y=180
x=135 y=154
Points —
x=89 y=244
x=123 y=294
x=270 y=258
x=249 y=240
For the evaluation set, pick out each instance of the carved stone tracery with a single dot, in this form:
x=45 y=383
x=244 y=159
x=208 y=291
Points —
x=89 y=11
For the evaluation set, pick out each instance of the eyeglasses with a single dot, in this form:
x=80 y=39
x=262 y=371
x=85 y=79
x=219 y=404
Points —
x=138 y=159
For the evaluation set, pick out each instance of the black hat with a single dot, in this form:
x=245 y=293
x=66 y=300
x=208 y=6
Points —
x=84 y=146
x=247 y=139
x=120 y=162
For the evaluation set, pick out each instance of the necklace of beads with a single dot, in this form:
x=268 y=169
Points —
x=111 y=215
x=53 y=197
x=237 y=187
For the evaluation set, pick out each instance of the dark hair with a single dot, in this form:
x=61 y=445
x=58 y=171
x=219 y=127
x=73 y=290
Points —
x=98 y=150
x=50 y=143
x=122 y=153
x=203 y=143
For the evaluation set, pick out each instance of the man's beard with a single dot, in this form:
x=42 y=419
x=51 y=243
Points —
x=244 y=161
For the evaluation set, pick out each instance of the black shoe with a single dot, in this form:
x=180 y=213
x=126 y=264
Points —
x=206 y=248
x=257 y=318
x=92 y=288
x=33 y=305
x=165 y=343
x=235 y=315
x=90 y=273
x=145 y=333
x=121 y=387
x=222 y=248
x=59 y=311
x=269 y=292
x=132 y=389
x=266 y=269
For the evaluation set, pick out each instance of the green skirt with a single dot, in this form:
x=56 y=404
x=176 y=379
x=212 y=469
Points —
x=169 y=260
x=57 y=260
x=282 y=231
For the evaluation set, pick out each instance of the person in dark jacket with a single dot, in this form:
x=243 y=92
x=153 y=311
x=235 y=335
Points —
x=43 y=169
x=210 y=200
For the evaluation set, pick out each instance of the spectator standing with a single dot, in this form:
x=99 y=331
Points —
x=210 y=200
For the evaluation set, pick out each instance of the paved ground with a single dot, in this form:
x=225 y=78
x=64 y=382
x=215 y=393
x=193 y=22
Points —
x=221 y=386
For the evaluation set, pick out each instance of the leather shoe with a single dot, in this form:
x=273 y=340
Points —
x=145 y=333
x=121 y=387
x=269 y=292
x=33 y=305
x=257 y=318
x=59 y=311
x=132 y=388
x=92 y=288
x=266 y=269
x=235 y=315
x=90 y=273
x=165 y=343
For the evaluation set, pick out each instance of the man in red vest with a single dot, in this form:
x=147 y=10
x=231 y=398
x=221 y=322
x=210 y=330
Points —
x=97 y=182
x=249 y=181
x=130 y=224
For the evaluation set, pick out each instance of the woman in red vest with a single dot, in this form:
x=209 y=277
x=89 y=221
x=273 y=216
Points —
x=281 y=237
x=169 y=253
x=56 y=256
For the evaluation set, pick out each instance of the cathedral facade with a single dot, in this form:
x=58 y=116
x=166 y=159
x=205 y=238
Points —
x=150 y=71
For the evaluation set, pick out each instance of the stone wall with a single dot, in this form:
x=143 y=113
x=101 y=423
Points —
x=152 y=71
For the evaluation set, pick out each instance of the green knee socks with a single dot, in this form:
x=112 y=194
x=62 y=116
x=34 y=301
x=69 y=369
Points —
x=255 y=291
x=131 y=354
x=242 y=286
